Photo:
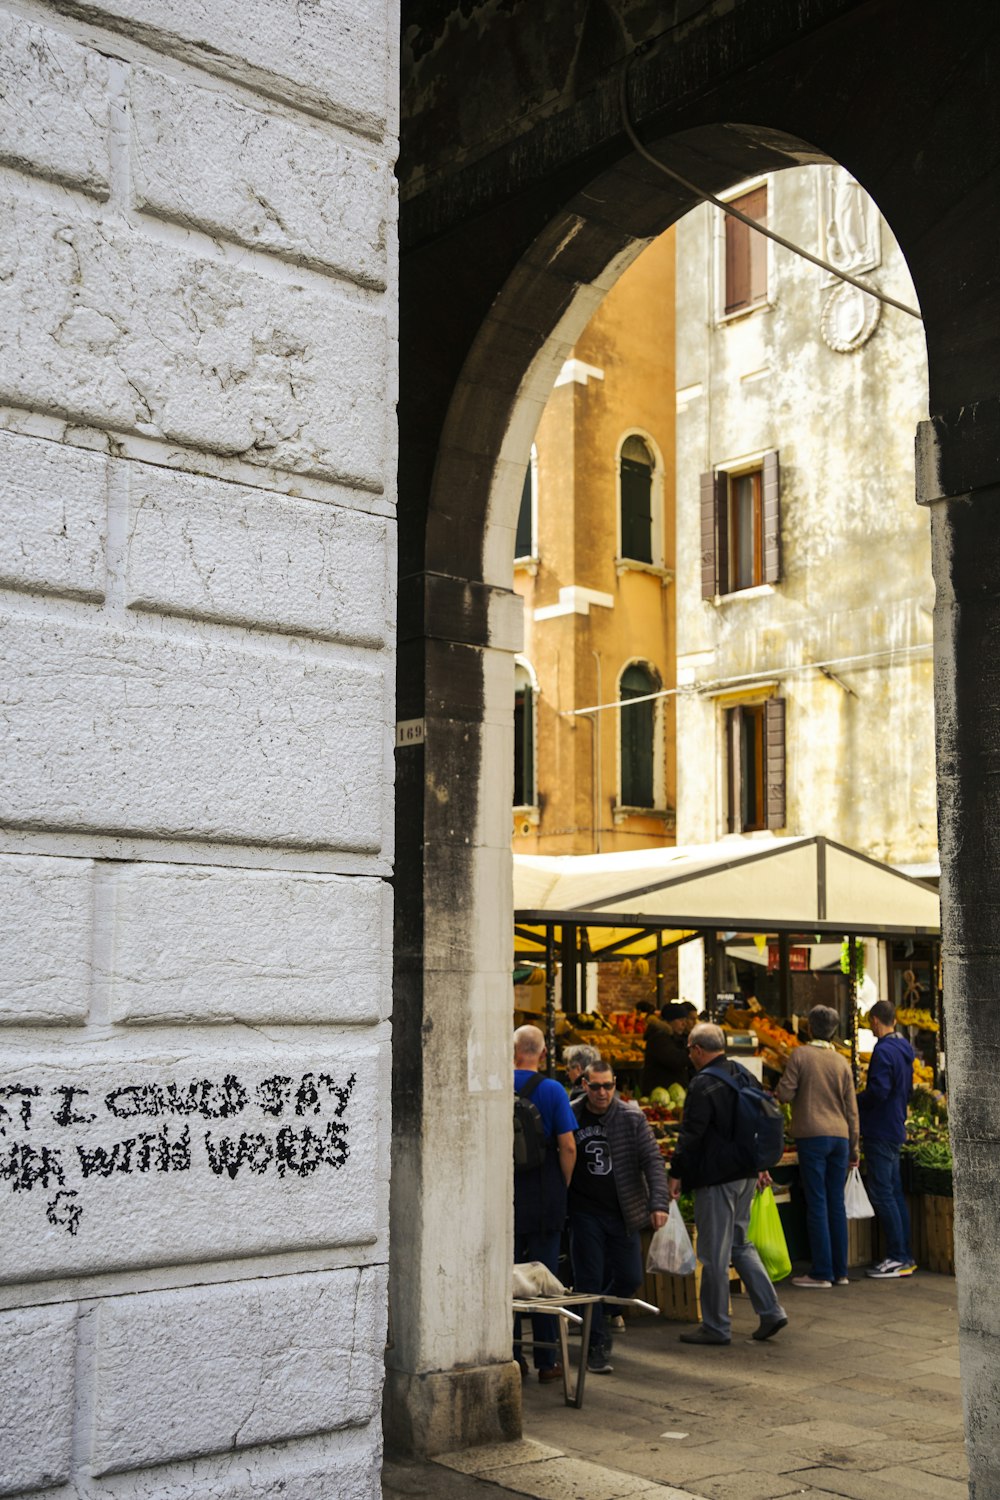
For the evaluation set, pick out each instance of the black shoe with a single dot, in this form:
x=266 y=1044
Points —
x=768 y=1327
x=599 y=1364
x=703 y=1335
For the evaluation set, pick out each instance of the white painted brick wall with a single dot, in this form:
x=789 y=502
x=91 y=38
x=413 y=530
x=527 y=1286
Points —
x=128 y=733
x=73 y=1204
x=195 y=237
x=53 y=106
x=107 y=327
x=195 y=944
x=230 y=1367
x=53 y=517
x=227 y=552
x=45 y=939
x=258 y=179
x=331 y=57
x=36 y=1397
x=340 y=1465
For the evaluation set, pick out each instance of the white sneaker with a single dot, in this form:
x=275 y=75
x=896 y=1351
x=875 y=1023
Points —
x=810 y=1281
x=886 y=1270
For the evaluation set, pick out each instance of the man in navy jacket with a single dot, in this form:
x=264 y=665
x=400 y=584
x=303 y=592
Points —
x=882 y=1108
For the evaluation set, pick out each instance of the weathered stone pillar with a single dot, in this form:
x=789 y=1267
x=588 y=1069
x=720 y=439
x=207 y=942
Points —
x=959 y=477
x=450 y=1380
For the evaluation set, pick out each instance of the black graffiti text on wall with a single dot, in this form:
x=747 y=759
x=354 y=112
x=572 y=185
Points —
x=278 y=1128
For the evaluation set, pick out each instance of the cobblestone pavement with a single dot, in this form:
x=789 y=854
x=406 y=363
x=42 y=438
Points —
x=858 y=1397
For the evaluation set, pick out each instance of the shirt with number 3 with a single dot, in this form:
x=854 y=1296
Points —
x=592 y=1189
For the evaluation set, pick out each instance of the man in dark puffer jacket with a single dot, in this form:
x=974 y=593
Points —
x=619 y=1186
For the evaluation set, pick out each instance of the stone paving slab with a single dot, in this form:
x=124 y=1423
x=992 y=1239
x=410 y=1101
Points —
x=546 y=1473
x=856 y=1400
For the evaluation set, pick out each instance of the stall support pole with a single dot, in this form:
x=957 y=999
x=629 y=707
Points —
x=569 y=972
x=584 y=952
x=550 y=999
x=659 y=969
x=785 y=973
x=852 y=1000
x=937 y=1011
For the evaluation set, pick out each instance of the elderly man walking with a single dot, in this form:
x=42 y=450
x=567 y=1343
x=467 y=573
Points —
x=619 y=1186
x=712 y=1158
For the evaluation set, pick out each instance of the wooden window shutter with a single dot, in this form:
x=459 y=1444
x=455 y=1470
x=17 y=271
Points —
x=772 y=518
x=714 y=535
x=774 y=752
x=737 y=263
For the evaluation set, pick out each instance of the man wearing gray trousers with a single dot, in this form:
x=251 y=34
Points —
x=711 y=1159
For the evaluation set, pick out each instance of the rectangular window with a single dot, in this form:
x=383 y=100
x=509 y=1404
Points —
x=746 y=253
x=755 y=765
x=740 y=528
x=746 y=530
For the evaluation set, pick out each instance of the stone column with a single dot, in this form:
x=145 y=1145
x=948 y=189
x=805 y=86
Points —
x=959 y=477
x=450 y=1380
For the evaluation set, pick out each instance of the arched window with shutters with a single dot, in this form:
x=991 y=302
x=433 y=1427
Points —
x=525 y=688
x=638 y=735
x=637 y=466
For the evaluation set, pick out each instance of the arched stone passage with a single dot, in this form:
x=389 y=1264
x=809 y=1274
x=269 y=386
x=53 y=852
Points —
x=519 y=247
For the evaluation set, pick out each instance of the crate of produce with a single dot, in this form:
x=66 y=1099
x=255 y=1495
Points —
x=860 y=1251
x=933 y=1181
x=939 y=1226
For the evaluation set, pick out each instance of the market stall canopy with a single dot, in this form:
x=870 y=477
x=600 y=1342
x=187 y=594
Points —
x=766 y=884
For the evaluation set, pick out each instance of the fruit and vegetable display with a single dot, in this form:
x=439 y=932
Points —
x=663 y=1109
x=921 y=1018
x=621 y=1049
x=927 y=1152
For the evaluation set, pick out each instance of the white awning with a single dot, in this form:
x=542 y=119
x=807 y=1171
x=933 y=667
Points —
x=808 y=884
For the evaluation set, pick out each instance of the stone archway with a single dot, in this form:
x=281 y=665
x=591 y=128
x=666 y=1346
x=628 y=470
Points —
x=527 y=270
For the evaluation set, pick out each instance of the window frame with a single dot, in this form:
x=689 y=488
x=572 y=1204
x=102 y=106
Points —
x=718 y=530
x=658 y=804
x=768 y=715
x=529 y=560
x=657 y=539
x=720 y=241
x=529 y=684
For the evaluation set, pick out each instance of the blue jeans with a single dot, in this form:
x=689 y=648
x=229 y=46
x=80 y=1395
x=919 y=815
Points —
x=885 y=1189
x=606 y=1258
x=823 y=1172
x=544 y=1246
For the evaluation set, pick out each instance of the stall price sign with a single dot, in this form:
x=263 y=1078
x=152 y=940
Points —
x=798 y=958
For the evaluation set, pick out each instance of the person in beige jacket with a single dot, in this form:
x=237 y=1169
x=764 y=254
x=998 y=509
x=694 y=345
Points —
x=819 y=1085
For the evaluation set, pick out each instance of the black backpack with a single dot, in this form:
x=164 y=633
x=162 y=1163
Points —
x=759 y=1132
x=530 y=1144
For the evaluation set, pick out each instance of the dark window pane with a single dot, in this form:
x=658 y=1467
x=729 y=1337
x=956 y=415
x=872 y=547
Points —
x=637 y=736
x=523 y=539
x=745 y=531
x=637 y=510
x=524 y=747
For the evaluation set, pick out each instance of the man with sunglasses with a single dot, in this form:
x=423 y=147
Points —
x=619 y=1186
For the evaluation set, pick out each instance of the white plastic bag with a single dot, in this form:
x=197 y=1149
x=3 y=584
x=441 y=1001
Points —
x=856 y=1200
x=670 y=1249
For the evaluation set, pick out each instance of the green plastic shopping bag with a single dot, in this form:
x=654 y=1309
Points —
x=766 y=1233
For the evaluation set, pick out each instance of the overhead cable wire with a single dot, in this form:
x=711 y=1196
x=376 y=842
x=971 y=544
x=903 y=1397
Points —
x=734 y=213
x=746 y=679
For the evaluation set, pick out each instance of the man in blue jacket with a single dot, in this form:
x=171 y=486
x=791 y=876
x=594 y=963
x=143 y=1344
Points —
x=540 y=1192
x=882 y=1108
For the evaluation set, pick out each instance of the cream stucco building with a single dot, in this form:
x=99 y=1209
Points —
x=803 y=588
